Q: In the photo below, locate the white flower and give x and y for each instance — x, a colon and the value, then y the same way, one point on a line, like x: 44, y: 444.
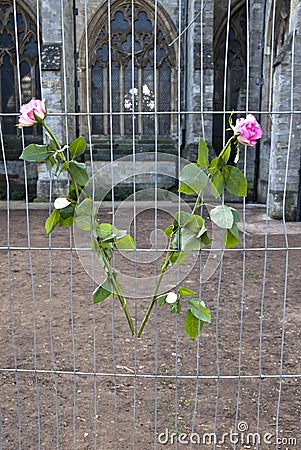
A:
x: 171, y: 297
x: 61, y: 203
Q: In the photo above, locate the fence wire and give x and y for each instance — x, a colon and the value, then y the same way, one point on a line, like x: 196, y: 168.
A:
x: 71, y: 375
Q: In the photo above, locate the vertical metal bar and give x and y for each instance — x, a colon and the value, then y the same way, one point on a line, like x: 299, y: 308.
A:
x: 156, y: 217
x: 9, y: 290
x: 108, y: 84
x: 133, y: 70
x: 286, y: 236
x: 66, y: 129
x: 197, y: 356
x: 266, y: 237
x: 260, y: 81
x: 217, y: 350
x: 28, y: 234
x: 242, y: 305
x: 178, y: 118
x: 50, y: 327
x: 88, y: 109
x: 225, y: 90
x: 76, y: 81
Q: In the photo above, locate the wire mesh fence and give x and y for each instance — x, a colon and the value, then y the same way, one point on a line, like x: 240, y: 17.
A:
x: 135, y: 80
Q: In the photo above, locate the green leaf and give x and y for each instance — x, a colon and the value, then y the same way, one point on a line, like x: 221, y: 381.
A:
x: 161, y: 301
x: 78, y: 173
x: 177, y: 257
x: 36, y: 153
x: 199, y: 310
x: 111, y: 238
x: 97, y: 252
x: 232, y: 237
x: 196, y: 225
x: 183, y: 291
x: 235, y: 180
x: 175, y: 308
x: 192, y: 228
x: 181, y: 219
x: 236, y: 215
x: 105, y: 230
x: 222, y: 216
x: 192, y: 325
x: 217, y: 184
x: 216, y: 164
x: 126, y: 243
x: 67, y: 222
x: 189, y: 241
x: 67, y: 216
x: 192, y: 179
x: 77, y: 147
x: 50, y: 162
x: 202, y: 160
x: 83, y: 215
x: 67, y: 212
x: 205, y: 240
x: 101, y: 293
x: 65, y: 166
x: 175, y: 243
x: 52, y: 221
x: 168, y: 231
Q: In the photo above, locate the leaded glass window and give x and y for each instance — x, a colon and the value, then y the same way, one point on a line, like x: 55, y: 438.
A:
x: 234, y: 97
x: 28, y: 63
x: 123, y: 82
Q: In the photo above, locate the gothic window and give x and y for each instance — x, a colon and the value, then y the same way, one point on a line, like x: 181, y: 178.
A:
x: 12, y: 71
x: 124, y: 70
x: 235, y: 95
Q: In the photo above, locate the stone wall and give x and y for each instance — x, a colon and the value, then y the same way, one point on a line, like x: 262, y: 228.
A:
x: 286, y: 126
x: 273, y: 84
x: 58, y: 80
x: 199, y: 76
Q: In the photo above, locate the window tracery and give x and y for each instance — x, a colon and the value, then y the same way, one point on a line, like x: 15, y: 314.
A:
x: 124, y: 81
x: 28, y: 62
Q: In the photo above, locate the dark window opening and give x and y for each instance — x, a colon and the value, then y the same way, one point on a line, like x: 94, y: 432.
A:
x: 128, y: 89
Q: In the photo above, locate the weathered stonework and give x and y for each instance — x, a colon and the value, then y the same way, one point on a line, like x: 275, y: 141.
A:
x: 199, y: 75
x: 270, y: 83
x: 286, y: 128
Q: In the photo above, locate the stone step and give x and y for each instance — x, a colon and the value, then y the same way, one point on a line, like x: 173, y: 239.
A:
x: 101, y: 148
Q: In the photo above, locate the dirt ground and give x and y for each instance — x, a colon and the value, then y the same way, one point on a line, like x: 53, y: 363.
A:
x: 84, y: 382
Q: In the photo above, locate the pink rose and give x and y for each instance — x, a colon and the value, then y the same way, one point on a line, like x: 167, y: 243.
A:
x: 248, y: 130
x: 30, y: 112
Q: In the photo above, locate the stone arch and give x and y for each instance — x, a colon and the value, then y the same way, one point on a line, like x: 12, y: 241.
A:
x: 120, y: 84
x: 28, y: 69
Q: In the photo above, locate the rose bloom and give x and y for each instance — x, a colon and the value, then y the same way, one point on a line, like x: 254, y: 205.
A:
x: 29, y: 111
x: 248, y: 130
